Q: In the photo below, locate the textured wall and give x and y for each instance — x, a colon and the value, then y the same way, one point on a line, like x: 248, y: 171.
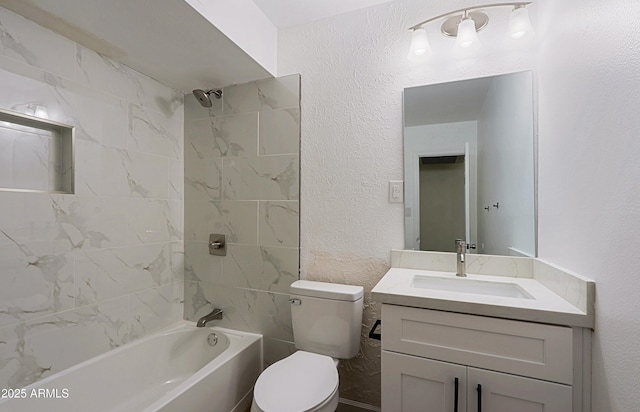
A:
x: 589, y: 196
x: 242, y: 180
x: 354, y: 69
x: 81, y: 274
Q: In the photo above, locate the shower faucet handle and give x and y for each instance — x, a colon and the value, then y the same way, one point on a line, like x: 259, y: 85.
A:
x: 217, y: 245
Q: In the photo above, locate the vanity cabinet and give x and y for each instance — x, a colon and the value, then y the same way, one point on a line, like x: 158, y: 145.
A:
x: 431, y: 358
x: 412, y: 384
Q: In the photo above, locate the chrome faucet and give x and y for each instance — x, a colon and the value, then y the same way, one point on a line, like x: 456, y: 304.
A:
x: 215, y: 314
x: 461, y: 248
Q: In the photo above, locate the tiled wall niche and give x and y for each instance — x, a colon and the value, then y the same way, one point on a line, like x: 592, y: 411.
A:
x: 36, y: 154
x: 81, y: 274
x: 242, y: 179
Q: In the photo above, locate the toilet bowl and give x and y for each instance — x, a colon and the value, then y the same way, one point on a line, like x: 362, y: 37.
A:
x: 302, y: 382
x: 326, y: 320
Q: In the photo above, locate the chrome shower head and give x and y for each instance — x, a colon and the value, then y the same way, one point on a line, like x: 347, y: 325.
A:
x: 204, y: 97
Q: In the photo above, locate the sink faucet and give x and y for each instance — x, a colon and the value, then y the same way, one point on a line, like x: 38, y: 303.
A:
x: 215, y: 314
x: 461, y: 248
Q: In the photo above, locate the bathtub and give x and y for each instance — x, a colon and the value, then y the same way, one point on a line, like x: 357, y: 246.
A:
x: 176, y: 369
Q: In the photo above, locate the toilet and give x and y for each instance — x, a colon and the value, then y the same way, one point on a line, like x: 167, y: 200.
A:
x: 327, y: 319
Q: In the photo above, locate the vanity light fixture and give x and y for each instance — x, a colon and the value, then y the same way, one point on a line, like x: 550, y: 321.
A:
x: 419, y: 43
x: 464, y: 25
x: 519, y: 22
x: 467, y: 34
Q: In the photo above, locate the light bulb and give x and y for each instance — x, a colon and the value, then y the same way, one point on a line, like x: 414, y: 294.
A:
x: 467, y: 35
x: 519, y: 23
x: 419, y: 44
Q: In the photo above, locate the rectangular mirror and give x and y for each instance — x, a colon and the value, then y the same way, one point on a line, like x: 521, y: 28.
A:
x: 469, y: 166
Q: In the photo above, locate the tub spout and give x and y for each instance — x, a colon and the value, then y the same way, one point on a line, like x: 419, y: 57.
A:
x: 215, y: 314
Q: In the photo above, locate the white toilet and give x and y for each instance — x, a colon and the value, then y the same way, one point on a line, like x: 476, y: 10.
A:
x: 326, y: 318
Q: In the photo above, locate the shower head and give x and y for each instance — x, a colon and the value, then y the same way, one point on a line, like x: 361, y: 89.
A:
x: 205, y: 97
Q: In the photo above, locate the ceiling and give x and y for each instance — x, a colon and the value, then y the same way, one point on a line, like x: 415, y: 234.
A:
x: 286, y: 13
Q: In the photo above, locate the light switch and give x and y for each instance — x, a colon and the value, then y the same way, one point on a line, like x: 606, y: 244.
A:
x: 396, y: 191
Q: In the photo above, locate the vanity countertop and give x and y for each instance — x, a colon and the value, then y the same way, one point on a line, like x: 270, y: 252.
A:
x: 542, y: 305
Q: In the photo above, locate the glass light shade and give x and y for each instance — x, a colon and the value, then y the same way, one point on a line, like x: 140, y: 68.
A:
x: 419, y: 44
x: 467, y: 35
x: 519, y: 23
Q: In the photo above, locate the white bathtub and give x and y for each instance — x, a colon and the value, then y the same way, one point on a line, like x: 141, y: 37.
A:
x: 173, y: 370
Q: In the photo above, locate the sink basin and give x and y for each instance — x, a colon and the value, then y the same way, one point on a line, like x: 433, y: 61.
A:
x: 465, y: 285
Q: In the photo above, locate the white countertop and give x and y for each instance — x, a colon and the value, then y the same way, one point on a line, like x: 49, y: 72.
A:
x: 545, y: 306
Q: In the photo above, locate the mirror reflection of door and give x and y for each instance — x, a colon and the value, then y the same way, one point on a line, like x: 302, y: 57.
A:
x: 442, y: 202
x: 491, y: 119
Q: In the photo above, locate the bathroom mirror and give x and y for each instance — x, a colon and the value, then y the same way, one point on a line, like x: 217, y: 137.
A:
x: 469, y: 166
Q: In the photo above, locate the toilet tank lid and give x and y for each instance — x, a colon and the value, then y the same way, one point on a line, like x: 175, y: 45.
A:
x: 326, y: 290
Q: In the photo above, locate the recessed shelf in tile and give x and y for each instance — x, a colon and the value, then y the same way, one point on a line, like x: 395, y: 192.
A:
x: 35, y: 154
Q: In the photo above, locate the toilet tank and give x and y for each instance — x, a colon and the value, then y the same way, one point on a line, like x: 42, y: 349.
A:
x: 327, y: 318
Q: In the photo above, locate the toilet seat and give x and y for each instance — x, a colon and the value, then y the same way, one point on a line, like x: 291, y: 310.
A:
x: 299, y: 383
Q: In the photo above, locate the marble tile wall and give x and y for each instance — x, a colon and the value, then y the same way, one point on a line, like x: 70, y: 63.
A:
x: 512, y: 266
x: 81, y: 274
x: 574, y: 288
x: 242, y: 174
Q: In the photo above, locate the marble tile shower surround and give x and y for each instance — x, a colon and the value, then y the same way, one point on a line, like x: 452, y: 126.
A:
x: 81, y: 274
x: 242, y: 174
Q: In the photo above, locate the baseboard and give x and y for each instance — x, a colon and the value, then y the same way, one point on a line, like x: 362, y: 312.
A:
x: 347, y: 405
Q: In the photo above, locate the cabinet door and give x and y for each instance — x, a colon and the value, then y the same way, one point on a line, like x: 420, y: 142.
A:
x: 411, y: 384
x: 507, y: 393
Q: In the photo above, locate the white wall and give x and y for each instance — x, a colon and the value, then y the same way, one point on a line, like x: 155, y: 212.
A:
x: 354, y: 69
x: 589, y: 177
x: 505, y: 167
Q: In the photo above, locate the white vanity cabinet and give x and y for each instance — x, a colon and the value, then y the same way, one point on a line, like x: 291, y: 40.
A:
x: 412, y: 384
x: 519, y: 366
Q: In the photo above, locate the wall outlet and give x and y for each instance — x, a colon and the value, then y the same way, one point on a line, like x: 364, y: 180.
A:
x: 396, y: 191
